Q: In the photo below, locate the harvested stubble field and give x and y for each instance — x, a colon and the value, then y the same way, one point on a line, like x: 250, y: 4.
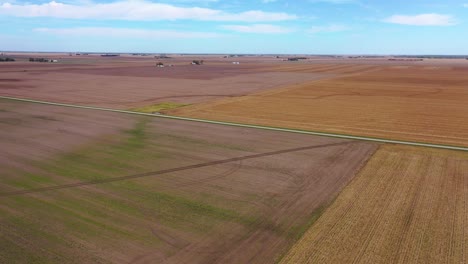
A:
x: 408, y: 205
x: 425, y: 103
x: 82, y: 186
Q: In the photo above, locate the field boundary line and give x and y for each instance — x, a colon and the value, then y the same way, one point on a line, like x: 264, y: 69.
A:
x: 297, y: 131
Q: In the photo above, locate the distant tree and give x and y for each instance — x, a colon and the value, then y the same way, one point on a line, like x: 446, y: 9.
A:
x: 7, y: 59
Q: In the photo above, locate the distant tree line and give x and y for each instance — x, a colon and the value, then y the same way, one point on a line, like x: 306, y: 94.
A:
x: 405, y: 59
x: 7, y: 59
x: 162, y: 57
x: 432, y: 56
x: 41, y: 60
x: 297, y: 58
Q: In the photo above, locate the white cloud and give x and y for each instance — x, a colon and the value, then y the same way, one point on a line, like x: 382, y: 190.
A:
x: 422, y: 20
x: 268, y: 1
x: 327, y: 29
x: 258, y: 28
x: 125, y: 32
x: 465, y: 5
x: 135, y: 10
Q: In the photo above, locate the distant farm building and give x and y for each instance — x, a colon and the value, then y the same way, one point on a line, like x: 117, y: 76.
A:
x: 197, y: 62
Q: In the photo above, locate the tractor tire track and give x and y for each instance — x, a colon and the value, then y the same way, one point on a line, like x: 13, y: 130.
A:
x: 160, y: 172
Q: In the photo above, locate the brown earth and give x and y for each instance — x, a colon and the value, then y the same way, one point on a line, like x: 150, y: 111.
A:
x: 200, y: 72
x: 133, y: 81
x: 415, y: 103
x: 35, y: 133
x: 127, y: 83
x: 408, y: 205
x: 87, y: 186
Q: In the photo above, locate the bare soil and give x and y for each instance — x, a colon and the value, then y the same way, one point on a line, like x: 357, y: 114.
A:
x: 87, y: 186
x: 201, y: 72
x: 124, y: 83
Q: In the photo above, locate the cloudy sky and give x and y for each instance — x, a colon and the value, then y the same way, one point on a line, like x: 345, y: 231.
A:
x: 222, y: 26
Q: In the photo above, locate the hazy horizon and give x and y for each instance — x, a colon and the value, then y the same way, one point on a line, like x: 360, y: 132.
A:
x: 240, y: 54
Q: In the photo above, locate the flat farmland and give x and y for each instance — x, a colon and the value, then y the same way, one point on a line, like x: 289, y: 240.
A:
x: 425, y: 103
x: 408, y: 205
x: 81, y: 186
x: 125, y: 83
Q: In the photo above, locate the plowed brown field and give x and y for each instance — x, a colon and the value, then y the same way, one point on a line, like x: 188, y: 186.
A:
x: 415, y: 103
x: 128, y: 84
x: 408, y: 205
x: 85, y: 186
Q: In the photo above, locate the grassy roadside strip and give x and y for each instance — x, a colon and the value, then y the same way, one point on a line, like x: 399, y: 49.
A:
x: 315, y: 133
x: 157, y: 108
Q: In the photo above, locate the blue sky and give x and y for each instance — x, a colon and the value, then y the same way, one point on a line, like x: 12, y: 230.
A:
x: 221, y: 26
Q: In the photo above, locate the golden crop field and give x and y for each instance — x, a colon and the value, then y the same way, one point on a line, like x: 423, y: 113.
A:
x: 408, y: 205
x: 414, y: 103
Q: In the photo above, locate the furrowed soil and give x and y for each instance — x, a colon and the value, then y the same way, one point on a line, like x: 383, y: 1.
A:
x: 425, y: 103
x: 84, y: 186
x: 125, y: 83
x: 408, y: 205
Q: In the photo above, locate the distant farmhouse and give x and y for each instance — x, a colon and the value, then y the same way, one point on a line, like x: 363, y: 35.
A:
x: 197, y: 62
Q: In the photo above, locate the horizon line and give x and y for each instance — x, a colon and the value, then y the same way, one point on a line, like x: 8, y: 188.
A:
x: 229, y: 53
